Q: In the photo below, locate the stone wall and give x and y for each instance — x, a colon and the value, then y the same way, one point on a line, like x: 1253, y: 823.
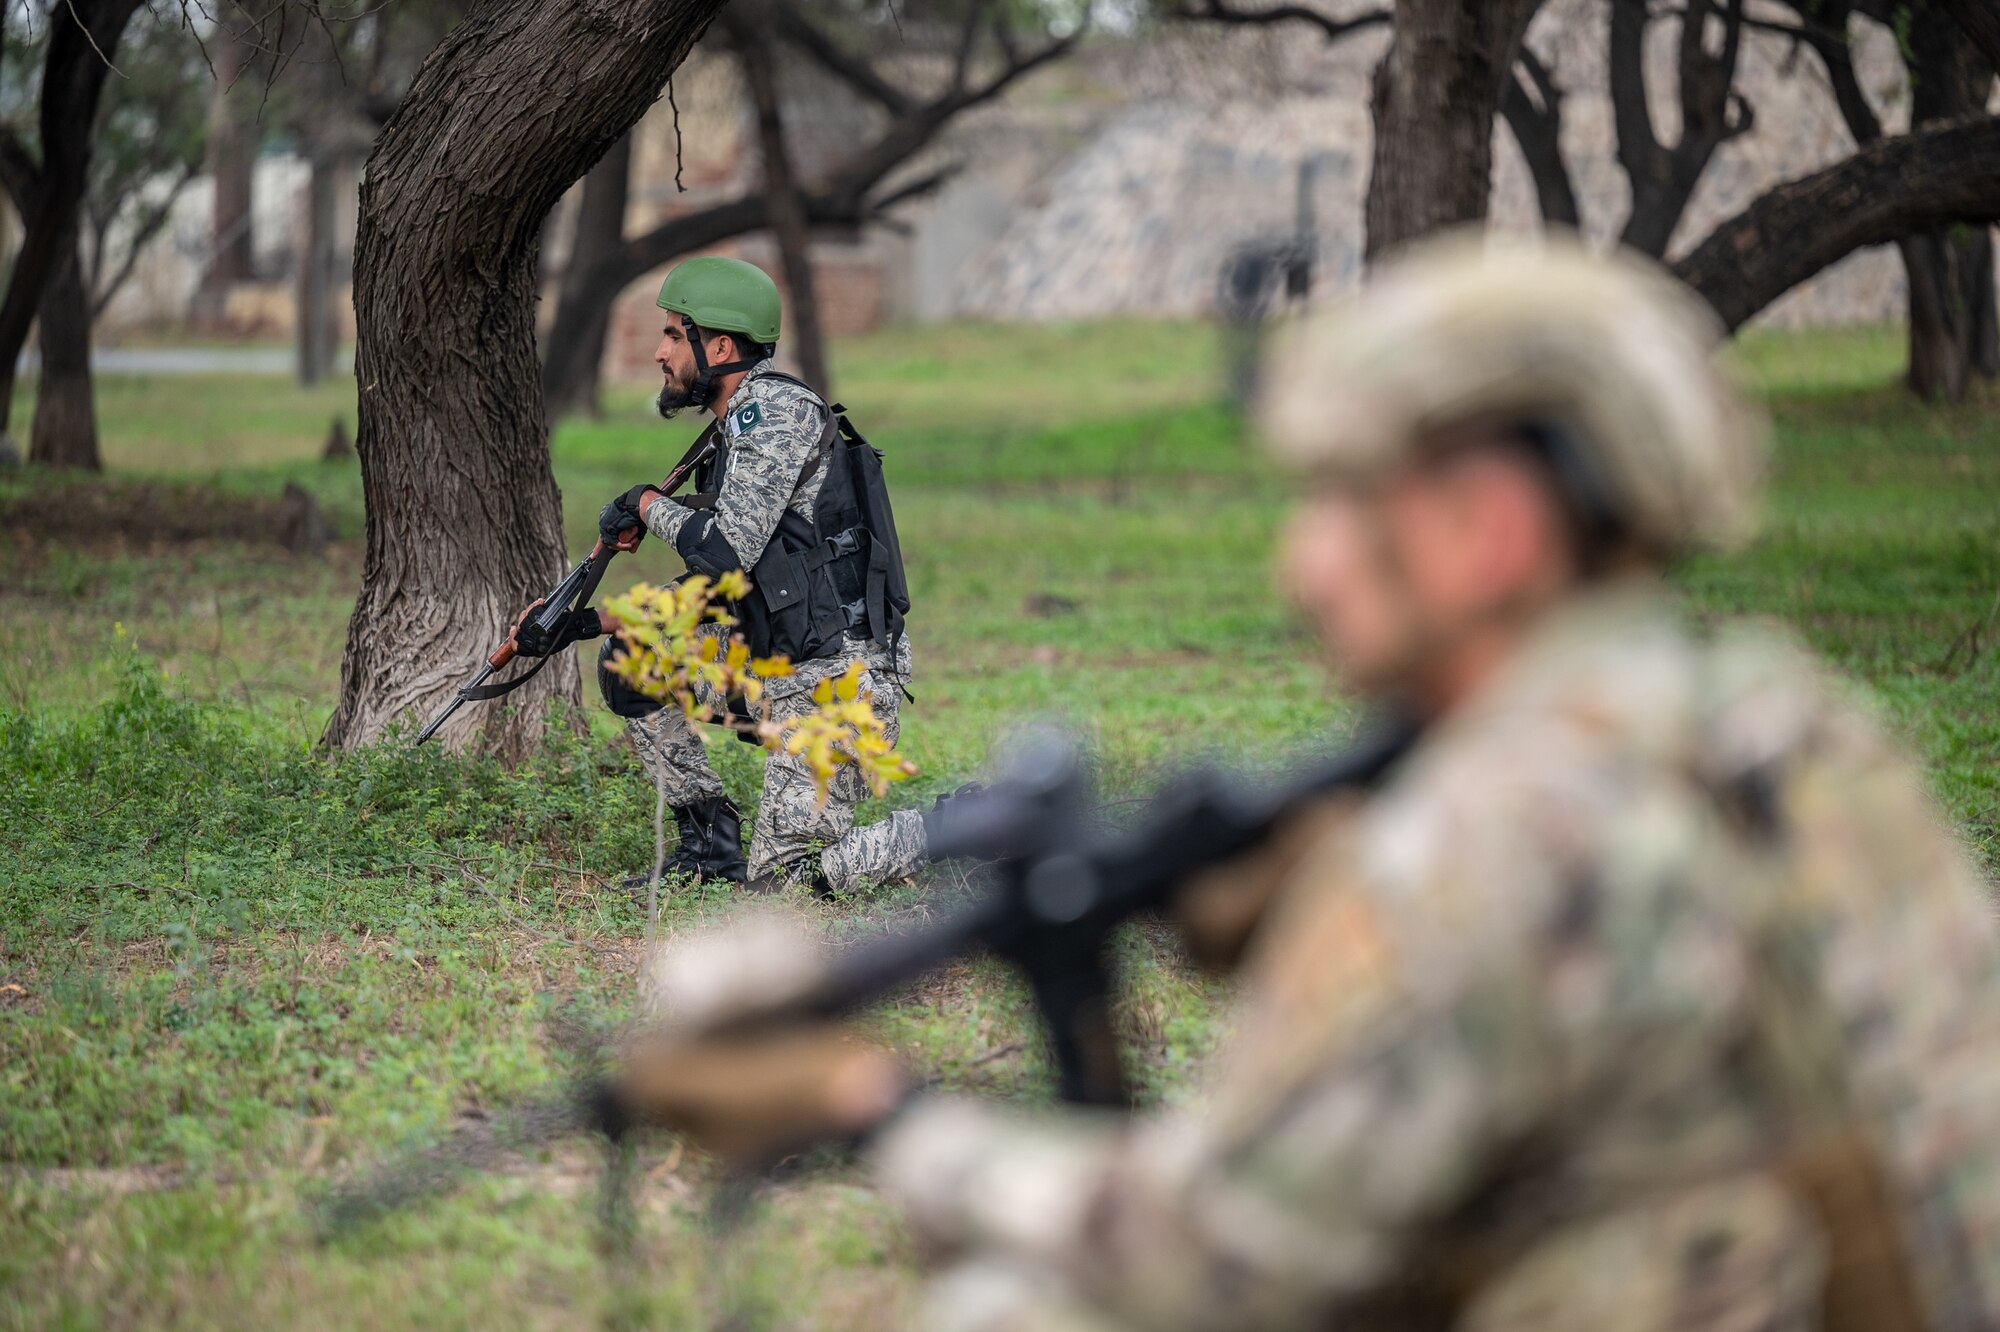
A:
x: 1141, y: 219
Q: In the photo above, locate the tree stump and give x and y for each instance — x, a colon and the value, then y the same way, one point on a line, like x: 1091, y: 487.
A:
x: 302, y: 527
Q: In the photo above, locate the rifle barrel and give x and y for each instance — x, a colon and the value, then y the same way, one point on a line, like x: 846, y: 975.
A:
x: 457, y: 701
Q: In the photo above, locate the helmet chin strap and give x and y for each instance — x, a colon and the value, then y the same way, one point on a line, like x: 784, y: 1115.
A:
x: 702, y: 391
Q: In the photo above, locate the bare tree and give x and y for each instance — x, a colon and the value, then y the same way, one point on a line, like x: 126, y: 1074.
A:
x: 47, y: 191
x: 1948, y: 268
x: 1799, y: 228
x: 1664, y: 176
x: 463, y: 517
x: 987, y: 56
x: 1450, y: 69
x: 151, y: 136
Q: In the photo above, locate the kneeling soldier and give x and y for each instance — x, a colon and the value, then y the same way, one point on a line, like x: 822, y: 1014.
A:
x: 794, y: 498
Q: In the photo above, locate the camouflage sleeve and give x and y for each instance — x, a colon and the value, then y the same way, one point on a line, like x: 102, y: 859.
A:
x: 1435, y: 990
x: 777, y: 425
x: 665, y: 517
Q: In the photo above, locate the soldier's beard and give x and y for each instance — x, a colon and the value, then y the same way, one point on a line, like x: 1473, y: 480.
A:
x: 674, y: 398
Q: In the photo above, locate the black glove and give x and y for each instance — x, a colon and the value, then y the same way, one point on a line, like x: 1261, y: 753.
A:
x: 622, y: 514
x: 574, y: 627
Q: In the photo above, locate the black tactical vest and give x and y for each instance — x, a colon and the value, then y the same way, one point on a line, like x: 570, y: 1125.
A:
x: 841, y: 572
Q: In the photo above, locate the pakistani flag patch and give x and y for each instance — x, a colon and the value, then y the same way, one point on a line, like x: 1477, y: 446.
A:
x: 748, y: 416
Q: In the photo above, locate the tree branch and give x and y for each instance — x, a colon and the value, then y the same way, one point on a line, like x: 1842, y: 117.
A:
x: 1333, y: 29
x: 1536, y: 123
x: 20, y: 175
x: 1825, y: 31
x: 856, y: 72
x: 103, y: 291
x: 968, y: 40
x: 1932, y: 177
x: 843, y: 199
x: 1639, y: 150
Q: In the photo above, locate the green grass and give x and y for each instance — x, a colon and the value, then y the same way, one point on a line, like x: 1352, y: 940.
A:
x: 232, y: 971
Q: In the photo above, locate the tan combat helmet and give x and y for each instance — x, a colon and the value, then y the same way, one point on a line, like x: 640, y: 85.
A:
x: 1609, y: 351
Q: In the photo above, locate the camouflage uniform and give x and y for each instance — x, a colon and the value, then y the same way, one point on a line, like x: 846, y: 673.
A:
x: 772, y: 426
x: 1650, y: 993
x: 1551, y: 1036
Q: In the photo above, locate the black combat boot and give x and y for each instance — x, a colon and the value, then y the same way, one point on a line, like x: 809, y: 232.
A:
x: 711, y: 845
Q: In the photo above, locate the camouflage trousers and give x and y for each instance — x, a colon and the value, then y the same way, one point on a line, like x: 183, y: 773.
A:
x: 791, y: 821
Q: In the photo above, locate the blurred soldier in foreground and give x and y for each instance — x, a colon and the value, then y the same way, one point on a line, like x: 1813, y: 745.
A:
x: 1649, y: 993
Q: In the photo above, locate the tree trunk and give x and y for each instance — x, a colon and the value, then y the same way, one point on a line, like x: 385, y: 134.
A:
x: 575, y: 357
x: 1939, y: 334
x: 1891, y: 189
x: 1946, y: 266
x: 232, y: 161
x: 72, y: 81
x: 1436, y: 94
x: 315, y: 333
x: 1984, y: 304
x: 65, y: 432
x: 788, y: 215
x: 464, y: 522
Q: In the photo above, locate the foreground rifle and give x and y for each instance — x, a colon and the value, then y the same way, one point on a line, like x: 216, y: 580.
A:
x: 572, y: 593
x: 1060, y: 887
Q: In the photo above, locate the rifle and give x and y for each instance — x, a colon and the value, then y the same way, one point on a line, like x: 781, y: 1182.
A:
x: 576, y: 589
x: 1060, y: 888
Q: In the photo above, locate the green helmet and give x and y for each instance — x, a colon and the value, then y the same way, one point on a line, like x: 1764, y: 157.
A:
x: 724, y: 296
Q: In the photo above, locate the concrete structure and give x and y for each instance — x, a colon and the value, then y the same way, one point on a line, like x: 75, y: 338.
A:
x: 1122, y: 180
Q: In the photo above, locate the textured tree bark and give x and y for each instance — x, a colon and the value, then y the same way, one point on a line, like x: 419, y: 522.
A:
x: 73, y: 77
x: 1946, y: 267
x: 781, y: 197
x: 1436, y: 94
x: 65, y: 431
x: 575, y: 355
x: 1931, y: 177
x: 464, y: 524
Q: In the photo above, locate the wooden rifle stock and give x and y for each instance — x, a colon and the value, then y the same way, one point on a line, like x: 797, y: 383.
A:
x: 576, y: 589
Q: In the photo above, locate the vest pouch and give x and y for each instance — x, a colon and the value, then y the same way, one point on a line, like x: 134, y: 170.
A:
x: 829, y: 624
x: 780, y: 580
x: 774, y: 614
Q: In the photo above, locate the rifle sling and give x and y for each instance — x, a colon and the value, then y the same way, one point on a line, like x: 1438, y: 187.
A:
x: 483, y: 692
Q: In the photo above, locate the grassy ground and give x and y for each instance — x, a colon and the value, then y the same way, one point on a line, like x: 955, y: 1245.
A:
x: 232, y: 972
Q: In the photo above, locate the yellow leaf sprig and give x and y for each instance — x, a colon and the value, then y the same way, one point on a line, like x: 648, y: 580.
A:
x: 669, y: 656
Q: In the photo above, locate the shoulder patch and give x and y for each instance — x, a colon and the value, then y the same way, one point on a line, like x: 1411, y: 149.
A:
x: 748, y: 417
